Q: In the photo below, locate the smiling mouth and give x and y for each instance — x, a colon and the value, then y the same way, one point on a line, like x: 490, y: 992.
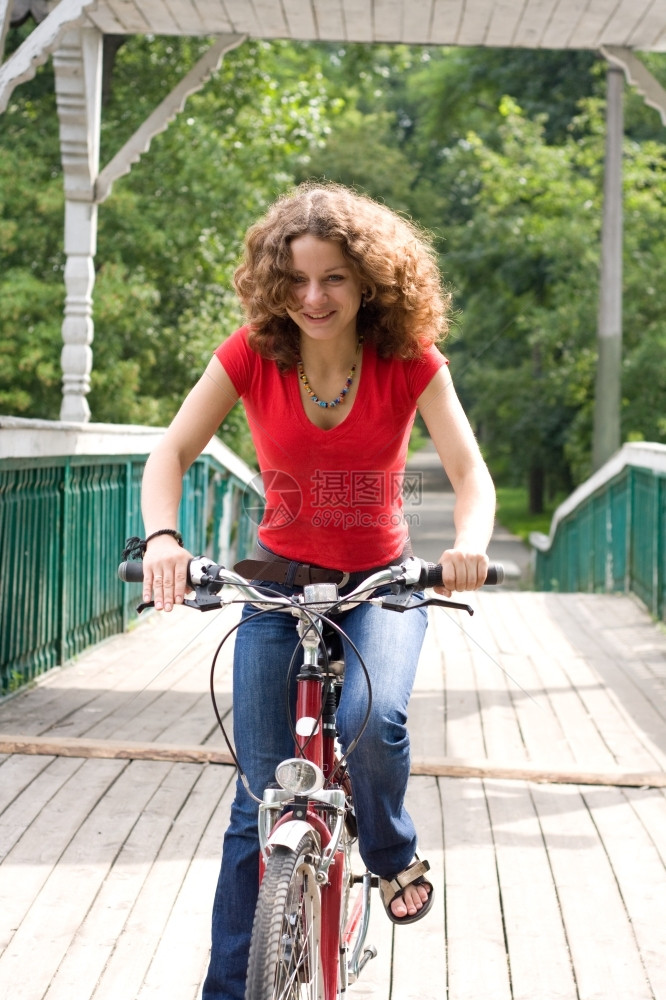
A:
x: 324, y: 315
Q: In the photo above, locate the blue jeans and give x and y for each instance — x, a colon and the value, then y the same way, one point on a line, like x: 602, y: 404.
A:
x: 390, y: 644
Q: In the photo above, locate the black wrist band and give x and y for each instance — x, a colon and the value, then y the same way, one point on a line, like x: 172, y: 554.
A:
x: 135, y: 548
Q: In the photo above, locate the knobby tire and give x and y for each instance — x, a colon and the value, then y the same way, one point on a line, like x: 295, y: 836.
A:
x: 285, y: 960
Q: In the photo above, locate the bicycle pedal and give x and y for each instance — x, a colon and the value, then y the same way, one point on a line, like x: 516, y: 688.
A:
x: 374, y: 880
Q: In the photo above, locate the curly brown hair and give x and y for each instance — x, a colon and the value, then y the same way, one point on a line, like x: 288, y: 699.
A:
x: 405, y: 308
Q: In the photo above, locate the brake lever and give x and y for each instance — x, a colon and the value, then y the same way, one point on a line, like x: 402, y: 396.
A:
x: 204, y: 601
x: 403, y: 602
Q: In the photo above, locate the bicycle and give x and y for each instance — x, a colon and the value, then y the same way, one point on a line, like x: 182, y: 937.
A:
x: 308, y: 938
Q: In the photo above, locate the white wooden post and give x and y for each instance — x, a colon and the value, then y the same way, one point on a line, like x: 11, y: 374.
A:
x: 606, y: 434
x: 78, y: 76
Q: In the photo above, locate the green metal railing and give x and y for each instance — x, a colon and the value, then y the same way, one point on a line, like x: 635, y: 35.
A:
x: 63, y: 523
x: 611, y: 534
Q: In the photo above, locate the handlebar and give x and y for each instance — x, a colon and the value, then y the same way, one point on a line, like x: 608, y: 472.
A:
x: 207, y: 579
x: 431, y: 573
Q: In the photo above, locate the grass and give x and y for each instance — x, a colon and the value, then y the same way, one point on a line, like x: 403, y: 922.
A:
x: 513, y: 513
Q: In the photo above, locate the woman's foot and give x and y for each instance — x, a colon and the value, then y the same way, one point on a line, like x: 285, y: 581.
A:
x: 408, y: 895
x: 413, y: 899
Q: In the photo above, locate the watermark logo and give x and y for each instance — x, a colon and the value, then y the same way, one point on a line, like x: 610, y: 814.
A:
x: 339, y: 498
x: 283, y: 499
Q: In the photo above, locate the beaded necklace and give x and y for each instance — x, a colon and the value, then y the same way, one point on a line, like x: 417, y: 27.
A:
x: 343, y: 392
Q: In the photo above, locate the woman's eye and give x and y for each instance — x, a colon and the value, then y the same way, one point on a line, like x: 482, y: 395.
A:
x: 335, y: 277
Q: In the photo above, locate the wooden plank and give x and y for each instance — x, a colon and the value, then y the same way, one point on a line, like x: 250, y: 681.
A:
x: 535, y: 650
x: 427, y: 938
x: 443, y: 767
x: 649, y: 29
x: 26, y: 807
x: 105, y: 21
x: 159, y: 18
x: 214, y: 16
x: 300, y: 20
x: 157, y: 644
x: 582, y: 667
x: 536, y: 941
x: 561, y: 29
x: 426, y: 721
x: 329, y: 18
x: 52, y: 922
x: 532, y: 23
x: 16, y: 774
x: 35, y: 856
x: 138, y: 943
x: 271, y: 18
x: 475, y: 22
x: 446, y: 21
x: 464, y: 733
x: 358, y: 21
x: 417, y: 21
x: 181, y: 958
x: 116, y: 750
x: 506, y: 17
x: 187, y: 17
x: 103, y: 925
x: 641, y: 877
x: 101, y: 692
x: 603, y: 949
x: 388, y: 19
x: 624, y: 20
x: 243, y: 18
x: 478, y: 965
x: 127, y: 13
x: 500, y: 695
x: 629, y: 722
x: 542, y: 632
x: 469, y: 769
x: 650, y: 806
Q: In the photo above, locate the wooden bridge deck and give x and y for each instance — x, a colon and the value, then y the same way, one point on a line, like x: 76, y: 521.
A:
x: 546, y: 890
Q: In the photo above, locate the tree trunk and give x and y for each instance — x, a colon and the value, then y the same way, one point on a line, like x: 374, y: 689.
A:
x: 537, y: 489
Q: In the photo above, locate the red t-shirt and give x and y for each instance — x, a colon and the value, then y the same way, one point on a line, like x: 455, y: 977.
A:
x: 333, y: 497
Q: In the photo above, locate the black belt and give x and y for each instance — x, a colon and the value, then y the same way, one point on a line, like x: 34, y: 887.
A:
x: 275, y: 569
x: 293, y: 574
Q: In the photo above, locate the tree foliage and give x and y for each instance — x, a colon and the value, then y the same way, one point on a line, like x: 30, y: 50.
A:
x: 498, y: 152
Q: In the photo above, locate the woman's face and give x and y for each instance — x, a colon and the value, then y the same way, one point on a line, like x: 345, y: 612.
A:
x: 326, y: 288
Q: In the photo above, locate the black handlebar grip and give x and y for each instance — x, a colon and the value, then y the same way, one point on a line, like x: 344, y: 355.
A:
x: 432, y: 575
x: 131, y: 572
x: 495, y: 574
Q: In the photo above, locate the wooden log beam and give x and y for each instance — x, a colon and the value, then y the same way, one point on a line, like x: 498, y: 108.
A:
x: 445, y: 767
x: 112, y: 749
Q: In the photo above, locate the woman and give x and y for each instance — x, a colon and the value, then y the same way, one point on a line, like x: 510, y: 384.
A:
x: 344, y: 306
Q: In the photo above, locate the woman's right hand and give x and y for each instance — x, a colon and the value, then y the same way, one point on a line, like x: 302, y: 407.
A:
x: 165, y: 565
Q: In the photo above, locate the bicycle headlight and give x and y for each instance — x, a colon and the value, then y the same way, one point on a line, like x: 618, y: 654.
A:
x: 299, y: 776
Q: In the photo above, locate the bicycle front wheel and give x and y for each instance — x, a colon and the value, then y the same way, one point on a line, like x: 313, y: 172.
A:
x: 285, y: 956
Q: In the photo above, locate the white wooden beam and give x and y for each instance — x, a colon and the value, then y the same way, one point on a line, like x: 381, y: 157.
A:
x: 5, y: 14
x: 39, y: 45
x: 639, y: 76
x: 165, y: 112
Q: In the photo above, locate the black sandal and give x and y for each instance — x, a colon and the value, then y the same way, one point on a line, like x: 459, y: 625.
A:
x: 391, y: 889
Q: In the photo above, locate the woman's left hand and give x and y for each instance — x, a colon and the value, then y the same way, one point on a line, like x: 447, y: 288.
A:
x: 462, y: 570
